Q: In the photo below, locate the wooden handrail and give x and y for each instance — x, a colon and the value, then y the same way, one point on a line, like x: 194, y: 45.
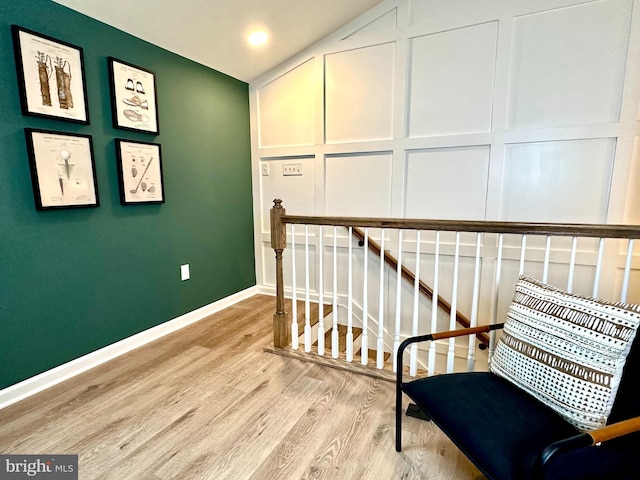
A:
x: 521, y: 228
x: 423, y: 287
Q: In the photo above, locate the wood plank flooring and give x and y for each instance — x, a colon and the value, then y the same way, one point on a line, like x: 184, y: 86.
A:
x: 207, y: 402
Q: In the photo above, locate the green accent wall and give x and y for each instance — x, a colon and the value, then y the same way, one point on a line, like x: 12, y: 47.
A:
x: 75, y: 280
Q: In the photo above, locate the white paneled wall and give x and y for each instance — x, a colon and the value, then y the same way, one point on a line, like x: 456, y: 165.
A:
x: 568, y: 65
x: 565, y: 182
x: 461, y: 197
x: 451, y: 81
x: 359, y: 94
x: 633, y: 199
x: 286, y: 108
x: 369, y: 185
x: 520, y: 110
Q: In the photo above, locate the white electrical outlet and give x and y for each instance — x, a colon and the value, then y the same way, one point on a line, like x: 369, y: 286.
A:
x: 184, y: 272
x: 289, y: 169
x: 265, y: 169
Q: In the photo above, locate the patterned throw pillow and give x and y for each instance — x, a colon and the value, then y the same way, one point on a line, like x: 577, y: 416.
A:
x: 566, y: 350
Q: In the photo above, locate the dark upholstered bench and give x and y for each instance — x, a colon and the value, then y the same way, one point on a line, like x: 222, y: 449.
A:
x: 511, y: 435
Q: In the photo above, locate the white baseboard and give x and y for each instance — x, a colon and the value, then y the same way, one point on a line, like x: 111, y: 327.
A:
x: 33, y: 385
x: 266, y: 290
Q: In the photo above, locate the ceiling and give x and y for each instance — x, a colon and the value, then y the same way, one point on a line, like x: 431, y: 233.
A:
x: 214, y: 32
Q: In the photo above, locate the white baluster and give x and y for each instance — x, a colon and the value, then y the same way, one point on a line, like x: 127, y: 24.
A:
x: 596, y: 277
x: 572, y: 264
x: 294, y: 293
x: 380, y: 341
x: 307, y: 301
x: 320, y: 293
x: 434, y: 307
x: 413, y: 358
x: 523, y: 249
x: 471, y: 357
x: 454, y: 300
x: 364, y: 348
x: 547, y: 252
x: 627, y: 270
x: 334, y: 329
x: 350, y: 299
x: 396, y: 335
x: 496, y: 295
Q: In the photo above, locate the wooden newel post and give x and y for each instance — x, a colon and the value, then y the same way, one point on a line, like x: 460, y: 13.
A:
x: 281, y: 325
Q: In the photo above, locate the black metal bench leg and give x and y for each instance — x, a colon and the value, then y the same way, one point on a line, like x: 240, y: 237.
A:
x: 415, y: 411
x: 398, y: 419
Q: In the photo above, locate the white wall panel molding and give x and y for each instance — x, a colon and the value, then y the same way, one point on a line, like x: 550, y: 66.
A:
x: 631, y: 94
x: 613, y: 130
x: 398, y: 183
x: 358, y: 185
x: 568, y: 65
x: 494, y: 181
x: 319, y: 100
x: 367, y: 23
x: 434, y: 15
x: 320, y: 182
x: 401, y: 88
x: 444, y: 141
x: 327, y: 149
x: 286, y: 108
x: 378, y: 38
x: 291, y: 158
x: 539, y: 177
x: 451, y: 81
x: 528, y: 7
x: 624, y: 182
x: 295, y: 190
x: 449, y: 183
x: 359, y: 88
x: 632, y: 207
x: 388, y: 22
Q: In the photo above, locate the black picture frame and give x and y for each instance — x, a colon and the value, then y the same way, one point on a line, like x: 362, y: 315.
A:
x: 140, y: 176
x: 63, y: 170
x: 134, y: 98
x: 51, y: 77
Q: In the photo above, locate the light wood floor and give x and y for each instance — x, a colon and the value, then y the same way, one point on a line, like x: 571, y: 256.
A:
x: 208, y: 403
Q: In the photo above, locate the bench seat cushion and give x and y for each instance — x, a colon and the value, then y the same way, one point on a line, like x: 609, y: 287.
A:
x: 502, y: 429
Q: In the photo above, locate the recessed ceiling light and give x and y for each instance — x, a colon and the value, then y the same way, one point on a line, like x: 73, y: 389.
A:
x: 258, y: 38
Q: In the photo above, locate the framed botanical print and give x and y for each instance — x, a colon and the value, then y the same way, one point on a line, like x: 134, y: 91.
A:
x: 51, y: 77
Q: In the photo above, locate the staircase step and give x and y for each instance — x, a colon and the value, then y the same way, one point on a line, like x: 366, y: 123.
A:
x: 373, y: 354
x: 342, y: 337
x: 314, y: 318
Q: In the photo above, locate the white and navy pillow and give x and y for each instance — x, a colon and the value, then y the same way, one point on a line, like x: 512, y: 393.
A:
x: 566, y: 350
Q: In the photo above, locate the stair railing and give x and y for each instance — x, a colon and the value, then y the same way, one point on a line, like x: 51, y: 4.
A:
x: 423, y: 288
x: 603, y: 267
